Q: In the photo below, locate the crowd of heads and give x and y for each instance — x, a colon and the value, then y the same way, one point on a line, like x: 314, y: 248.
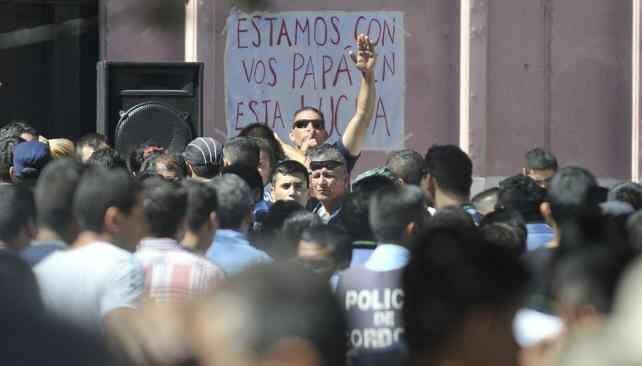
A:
x: 255, y: 251
x: 544, y: 250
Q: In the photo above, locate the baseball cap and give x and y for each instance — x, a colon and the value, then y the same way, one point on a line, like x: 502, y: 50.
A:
x: 204, y: 151
x: 30, y: 158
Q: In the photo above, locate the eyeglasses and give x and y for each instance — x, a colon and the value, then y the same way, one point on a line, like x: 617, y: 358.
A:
x: 328, y: 164
x: 317, y: 124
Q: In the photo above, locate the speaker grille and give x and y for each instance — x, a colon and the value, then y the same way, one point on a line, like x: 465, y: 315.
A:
x: 153, y: 123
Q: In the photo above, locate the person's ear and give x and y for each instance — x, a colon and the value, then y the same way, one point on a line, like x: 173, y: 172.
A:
x: 213, y: 221
x: 432, y: 184
x: 291, y: 137
x: 545, y: 210
x: 190, y: 170
x: 226, y: 162
x: 410, y: 230
x: 112, y: 220
x: 12, y: 173
x: 31, y: 230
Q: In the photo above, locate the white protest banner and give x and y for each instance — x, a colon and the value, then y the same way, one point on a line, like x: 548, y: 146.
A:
x: 275, y: 63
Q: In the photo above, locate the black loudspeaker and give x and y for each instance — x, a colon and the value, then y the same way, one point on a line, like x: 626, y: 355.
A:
x: 155, y: 103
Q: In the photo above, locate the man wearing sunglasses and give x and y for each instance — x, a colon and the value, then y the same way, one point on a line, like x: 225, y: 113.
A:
x: 329, y: 179
x: 309, y: 127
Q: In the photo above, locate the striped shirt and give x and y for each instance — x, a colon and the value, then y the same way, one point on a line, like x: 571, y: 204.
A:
x: 174, y: 273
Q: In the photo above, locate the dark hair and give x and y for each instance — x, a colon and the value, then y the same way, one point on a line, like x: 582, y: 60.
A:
x: 266, y: 146
x: 93, y: 140
x: 235, y: 200
x: 590, y: 277
x: 571, y: 192
x: 294, y: 225
x: 629, y: 192
x: 99, y: 189
x: 373, y: 183
x: 242, y: 150
x: 354, y: 215
x: 336, y: 240
x: 308, y: 108
x: 107, y: 158
x: 540, y: 159
x: 269, y: 237
x: 135, y: 159
x: 201, y: 202
x: 282, y: 302
x: 164, y: 207
x: 151, y: 165
x: 507, y: 236
x: 485, y: 201
x: 17, y: 210
x: 17, y: 128
x: 407, y: 165
x: 290, y: 167
x: 451, y: 168
x: 264, y: 132
x: 7, y: 144
x: 520, y: 193
x: 392, y: 209
x: 54, y: 194
x: 356, y: 206
x: 451, y: 217
x: 453, y: 272
x: 249, y: 175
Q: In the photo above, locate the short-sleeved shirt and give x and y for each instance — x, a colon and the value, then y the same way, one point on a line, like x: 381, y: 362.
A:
x: 351, y: 160
x: 173, y: 273
x: 232, y: 252
x: 82, y: 285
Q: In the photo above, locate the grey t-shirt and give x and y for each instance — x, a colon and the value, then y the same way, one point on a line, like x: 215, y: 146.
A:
x: 82, y: 285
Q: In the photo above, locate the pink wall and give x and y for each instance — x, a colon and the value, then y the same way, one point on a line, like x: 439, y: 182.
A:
x: 558, y: 71
x: 591, y: 85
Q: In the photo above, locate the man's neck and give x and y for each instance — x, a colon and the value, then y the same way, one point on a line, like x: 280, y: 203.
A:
x: 47, y: 234
x: 330, y: 205
x: 195, y: 242
x: 443, y: 199
x: 88, y: 237
x: 556, y: 240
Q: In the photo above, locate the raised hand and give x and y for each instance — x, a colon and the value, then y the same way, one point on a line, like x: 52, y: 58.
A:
x: 365, y: 57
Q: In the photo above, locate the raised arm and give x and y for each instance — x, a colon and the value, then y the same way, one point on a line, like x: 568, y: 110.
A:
x: 355, y: 133
x: 290, y: 151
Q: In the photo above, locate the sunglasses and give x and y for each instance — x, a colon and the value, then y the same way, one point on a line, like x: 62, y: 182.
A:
x: 317, y: 124
x: 328, y: 164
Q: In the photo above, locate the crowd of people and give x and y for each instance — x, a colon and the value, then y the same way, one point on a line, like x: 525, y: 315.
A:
x: 257, y: 251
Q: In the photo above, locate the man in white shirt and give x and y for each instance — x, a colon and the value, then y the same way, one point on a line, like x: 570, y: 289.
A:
x: 97, y: 282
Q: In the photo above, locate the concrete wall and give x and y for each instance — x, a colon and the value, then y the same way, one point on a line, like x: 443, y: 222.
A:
x: 558, y: 72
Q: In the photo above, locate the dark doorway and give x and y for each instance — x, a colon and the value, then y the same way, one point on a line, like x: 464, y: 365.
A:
x: 48, y: 55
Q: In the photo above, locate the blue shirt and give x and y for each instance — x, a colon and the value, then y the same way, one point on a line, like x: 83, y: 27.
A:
x: 539, y: 235
x: 385, y: 257
x: 233, y: 253
x: 361, y: 252
x: 39, y: 250
x: 388, y: 257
